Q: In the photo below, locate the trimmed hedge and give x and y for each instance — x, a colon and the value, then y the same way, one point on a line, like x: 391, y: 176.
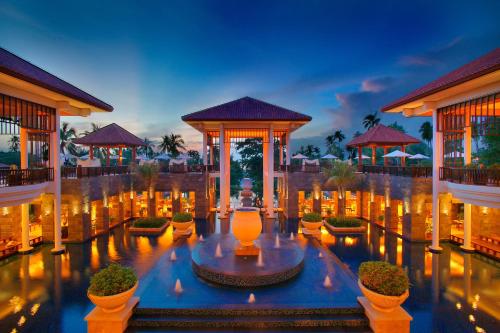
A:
x: 312, y: 217
x: 149, y: 222
x: 182, y: 217
x: 344, y: 222
x: 383, y: 278
x: 112, y: 280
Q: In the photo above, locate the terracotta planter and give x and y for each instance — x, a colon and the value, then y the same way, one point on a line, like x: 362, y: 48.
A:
x: 381, y: 302
x: 113, y: 303
x: 182, y: 227
x: 312, y: 226
x: 247, y: 225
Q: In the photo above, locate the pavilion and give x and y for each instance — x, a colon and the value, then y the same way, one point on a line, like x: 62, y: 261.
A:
x: 242, y: 119
x: 111, y: 136
x: 381, y: 136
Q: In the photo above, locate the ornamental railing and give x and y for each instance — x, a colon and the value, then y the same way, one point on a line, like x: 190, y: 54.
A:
x: 86, y: 172
x: 471, y: 176
x: 20, y: 177
x: 407, y: 171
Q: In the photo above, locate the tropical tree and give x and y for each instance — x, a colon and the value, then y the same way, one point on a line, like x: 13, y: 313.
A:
x: 93, y: 128
x: 337, y: 136
x: 250, y: 151
x: 172, y: 144
x: 371, y: 120
x: 342, y: 175
x: 67, y: 134
x: 310, y: 151
x: 147, y: 149
x: 148, y: 174
x: 14, y: 144
x: 194, y: 156
x: 397, y: 127
x: 426, y: 132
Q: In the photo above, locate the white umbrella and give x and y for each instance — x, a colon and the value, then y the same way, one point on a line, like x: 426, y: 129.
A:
x: 67, y: 156
x: 418, y: 157
x: 84, y: 157
x: 116, y: 157
x: 163, y: 156
x: 142, y: 158
x: 329, y: 157
x: 455, y: 154
x: 364, y: 157
x: 299, y: 157
x: 397, y: 153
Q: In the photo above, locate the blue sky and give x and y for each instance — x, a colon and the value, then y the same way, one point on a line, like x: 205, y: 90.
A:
x: 336, y: 61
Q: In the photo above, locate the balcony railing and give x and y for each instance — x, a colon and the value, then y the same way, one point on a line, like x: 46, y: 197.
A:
x: 471, y: 176
x: 85, y: 172
x: 22, y: 177
x: 409, y: 171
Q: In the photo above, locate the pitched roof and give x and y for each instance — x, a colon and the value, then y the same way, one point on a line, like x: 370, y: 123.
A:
x: 488, y: 63
x: 382, y: 135
x: 19, y: 68
x: 110, y: 135
x: 246, y: 109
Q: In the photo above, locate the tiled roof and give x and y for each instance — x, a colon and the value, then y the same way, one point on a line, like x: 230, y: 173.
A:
x: 17, y: 67
x: 488, y: 63
x: 382, y: 135
x: 110, y: 135
x: 246, y: 109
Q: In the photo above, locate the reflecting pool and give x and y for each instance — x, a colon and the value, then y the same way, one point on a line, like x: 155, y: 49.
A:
x: 45, y: 293
x: 450, y: 292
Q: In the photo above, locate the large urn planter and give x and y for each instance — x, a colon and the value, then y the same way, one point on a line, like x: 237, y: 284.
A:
x: 383, y: 284
x: 247, y: 225
x: 181, y: 222
x: 311, y: 223
x: 112, y: 287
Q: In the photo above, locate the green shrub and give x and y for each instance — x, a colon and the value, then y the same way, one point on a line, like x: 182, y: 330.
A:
x: 112, y: 280
x: 312, y: 217
x: 381, y: 218
x: 344, y: 222
x: 149, y: 222
x: 383, y: 278
x: 183, y: 217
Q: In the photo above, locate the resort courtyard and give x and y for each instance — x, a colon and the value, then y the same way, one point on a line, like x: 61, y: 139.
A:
x: 242, y: 194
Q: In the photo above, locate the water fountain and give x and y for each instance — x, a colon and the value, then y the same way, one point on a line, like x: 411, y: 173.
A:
x: 327, y: 283
x: 201, y: 238
x: 251, y: 299
x: 292, y: 237
x: 178, y: 287
x: 173, y: 256
x: 320, y: 254
x: 284, y: 257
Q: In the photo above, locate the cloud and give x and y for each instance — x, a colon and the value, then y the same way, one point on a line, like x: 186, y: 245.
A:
x: 377, y: 84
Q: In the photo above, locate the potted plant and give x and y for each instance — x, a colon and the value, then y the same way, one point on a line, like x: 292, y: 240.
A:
x: 345, y: 224
x: 312, y: 222
x: 112, y: 287
x: 383, y: 284
x: 181, y: 222
x: 149, y: 225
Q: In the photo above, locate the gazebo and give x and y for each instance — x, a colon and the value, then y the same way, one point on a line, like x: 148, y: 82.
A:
x: 381, y: 136
x: 111, y: 136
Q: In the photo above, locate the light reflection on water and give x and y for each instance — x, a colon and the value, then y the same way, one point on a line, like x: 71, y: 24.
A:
x: 450, y: 292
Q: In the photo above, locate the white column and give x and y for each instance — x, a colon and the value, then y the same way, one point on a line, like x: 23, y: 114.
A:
x: 270, y: 175
x: 23, y: 142
x: 222, y: 172
x: 25, y: 229
x: 281, y: 150
x: 265, y: 156
x: 467, y: 228
x: 55, y: 164
x: 204, y: 151
x: 437, y: 162
x: 227, y: 155
x: 288, y: 148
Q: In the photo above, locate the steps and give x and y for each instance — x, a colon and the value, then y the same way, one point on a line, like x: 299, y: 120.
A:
x: 336, y: 319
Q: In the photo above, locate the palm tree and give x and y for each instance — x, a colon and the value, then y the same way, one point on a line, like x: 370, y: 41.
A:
x: 172, y: 144
x: 336, y: 136
x: 371, y: 120
x: 342, y: 175
x: 67, y: 135
x: 426, y: 132
x: 93, y: 128
x: 148, y: 174
x: 147, y: 149
x: 14, y: 144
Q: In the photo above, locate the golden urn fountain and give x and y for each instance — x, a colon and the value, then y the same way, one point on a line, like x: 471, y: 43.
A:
x: 247, y: 225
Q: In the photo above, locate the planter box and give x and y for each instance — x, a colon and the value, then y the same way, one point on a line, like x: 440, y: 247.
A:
x: 345, y: 230
x: 149, y: 231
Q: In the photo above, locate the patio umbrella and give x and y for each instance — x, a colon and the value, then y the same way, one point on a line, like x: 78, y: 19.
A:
x: 455, y: 154
x: 164, y: 157
x: 418, y: 157
x: 67, y: 156
x: 329, y: 157
x: 299, y: 157
x: 364, y: 157
x: 142, y: 158
x: 397, y: 153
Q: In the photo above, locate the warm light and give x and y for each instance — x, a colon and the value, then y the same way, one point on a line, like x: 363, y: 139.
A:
x: 349, y: 241
x: 474, y: 305
x: 484, y: 210
x: 459, y: 306
x: 131, y: 195
x: 472, y: 319
x: 34, y: 309
x: 5, y: 211
x: 21, y: 321
x: 476, y: 297
x: 480, y: 330
x: 17, y: 303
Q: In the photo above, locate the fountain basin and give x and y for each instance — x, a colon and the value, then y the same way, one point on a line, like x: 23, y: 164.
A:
x: 280, y: 264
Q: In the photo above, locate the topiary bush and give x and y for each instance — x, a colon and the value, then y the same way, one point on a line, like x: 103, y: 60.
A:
x: 149, y: 222
x: 344, y: 222
x: 312, y: 217
x: 182, y: 217
x: 383, y: 278
x: 112, y: 280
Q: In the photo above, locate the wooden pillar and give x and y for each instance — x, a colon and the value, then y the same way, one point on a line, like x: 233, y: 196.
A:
x: 360, y: 159
x: 107, y: 156
x: 134, y: 154
x: 91, y: 152
x: 204, y: 150
x: 288, y: 148
x: 403, y: 159
x: 386, y: 159
x: 374, y: 155
x: 120, y: 155
x: 23, y: 140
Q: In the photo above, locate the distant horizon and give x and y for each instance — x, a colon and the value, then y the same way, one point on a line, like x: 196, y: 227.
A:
x: 336, y: 62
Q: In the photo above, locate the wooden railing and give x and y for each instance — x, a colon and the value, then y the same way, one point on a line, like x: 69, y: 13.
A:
x: 408, y: 171
x: 472, y: 176
x: 22, y: 177
x: 85, y: 172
